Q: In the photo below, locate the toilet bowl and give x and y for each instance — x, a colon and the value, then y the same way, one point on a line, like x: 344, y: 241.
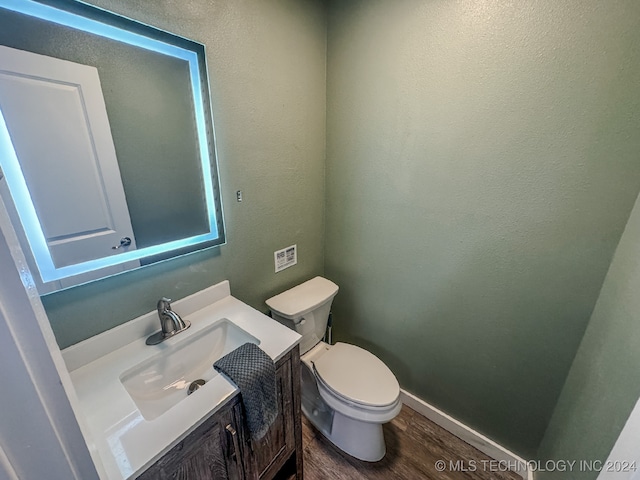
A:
x: 347, y: 392
x: 361, y: 394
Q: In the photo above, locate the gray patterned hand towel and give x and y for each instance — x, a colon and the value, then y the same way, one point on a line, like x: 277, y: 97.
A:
x: 255, y: 374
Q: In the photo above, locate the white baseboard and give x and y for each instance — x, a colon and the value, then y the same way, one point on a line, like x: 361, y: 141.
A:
x: 460, y: 430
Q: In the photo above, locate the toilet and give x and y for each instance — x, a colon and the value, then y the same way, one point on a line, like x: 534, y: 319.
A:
x: 347, y: 392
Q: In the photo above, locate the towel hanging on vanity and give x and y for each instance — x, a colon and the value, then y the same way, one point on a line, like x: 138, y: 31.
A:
x: 249, y: 367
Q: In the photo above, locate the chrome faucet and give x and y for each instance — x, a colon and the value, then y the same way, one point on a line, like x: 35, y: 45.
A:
x: 170, y: 321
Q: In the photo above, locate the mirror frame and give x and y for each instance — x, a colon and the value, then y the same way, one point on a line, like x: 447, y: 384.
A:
x: 94, y: 20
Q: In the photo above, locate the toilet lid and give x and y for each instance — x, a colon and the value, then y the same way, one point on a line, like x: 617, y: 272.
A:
x: 357, y: 375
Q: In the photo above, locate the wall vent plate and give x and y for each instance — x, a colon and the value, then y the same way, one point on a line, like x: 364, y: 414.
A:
x: 285, y: 258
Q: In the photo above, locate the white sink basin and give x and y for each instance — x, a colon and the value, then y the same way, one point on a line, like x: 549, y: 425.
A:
x: 120, y: 408
x: 162, y: 381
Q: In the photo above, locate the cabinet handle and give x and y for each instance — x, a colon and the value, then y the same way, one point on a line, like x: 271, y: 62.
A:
x: 234, y: 438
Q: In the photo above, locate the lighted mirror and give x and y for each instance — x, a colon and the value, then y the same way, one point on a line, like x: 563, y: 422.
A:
x: 107, y: 150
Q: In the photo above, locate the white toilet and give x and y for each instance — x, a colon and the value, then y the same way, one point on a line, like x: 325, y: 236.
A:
x: 347, y: 392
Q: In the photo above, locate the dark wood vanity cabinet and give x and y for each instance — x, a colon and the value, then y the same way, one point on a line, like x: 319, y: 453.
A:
x: 221, y: 447
x: 279, y: 453
x: 209, y: 452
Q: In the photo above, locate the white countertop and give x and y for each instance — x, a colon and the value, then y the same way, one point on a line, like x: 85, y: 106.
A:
x: 122, y: 443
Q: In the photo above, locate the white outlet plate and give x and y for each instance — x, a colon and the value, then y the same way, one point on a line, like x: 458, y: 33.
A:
x: 285, y: 258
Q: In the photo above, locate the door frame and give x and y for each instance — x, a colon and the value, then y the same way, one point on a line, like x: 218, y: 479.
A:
x: 625, y: 455
x: 41, y: 432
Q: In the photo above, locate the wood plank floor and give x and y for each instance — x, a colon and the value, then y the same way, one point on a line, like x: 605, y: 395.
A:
x: 414, y: 445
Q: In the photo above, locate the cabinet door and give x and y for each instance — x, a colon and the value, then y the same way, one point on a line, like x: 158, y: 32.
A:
x: 269, y: 453
x: 211, y: 452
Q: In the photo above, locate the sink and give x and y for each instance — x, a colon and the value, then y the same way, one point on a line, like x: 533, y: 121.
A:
x: 162, y: 381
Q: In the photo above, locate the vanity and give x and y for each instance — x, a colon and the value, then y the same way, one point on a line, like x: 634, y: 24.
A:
x: 140, y: 422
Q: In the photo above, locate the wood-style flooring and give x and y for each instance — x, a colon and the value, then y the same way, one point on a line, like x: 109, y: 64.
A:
x: 414, y: 445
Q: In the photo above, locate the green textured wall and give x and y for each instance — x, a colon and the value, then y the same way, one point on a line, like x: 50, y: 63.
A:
x: 267, y: 69
x: 604, y: 381
x: 482, y: 161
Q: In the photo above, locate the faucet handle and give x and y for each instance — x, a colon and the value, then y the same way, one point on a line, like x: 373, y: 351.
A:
x: 170, y: 322
x: 164, y: 304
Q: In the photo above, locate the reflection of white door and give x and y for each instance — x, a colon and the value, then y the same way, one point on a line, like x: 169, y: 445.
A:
x: 56, y: 116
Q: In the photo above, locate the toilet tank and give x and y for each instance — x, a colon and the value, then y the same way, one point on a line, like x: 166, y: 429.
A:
x: 305, y: 309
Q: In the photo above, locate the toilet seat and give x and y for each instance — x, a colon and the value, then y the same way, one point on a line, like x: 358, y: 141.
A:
x: 362, y: 413
x: 357, y: 376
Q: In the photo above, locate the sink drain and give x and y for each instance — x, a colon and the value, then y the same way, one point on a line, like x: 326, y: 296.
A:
x: 196, y: 384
